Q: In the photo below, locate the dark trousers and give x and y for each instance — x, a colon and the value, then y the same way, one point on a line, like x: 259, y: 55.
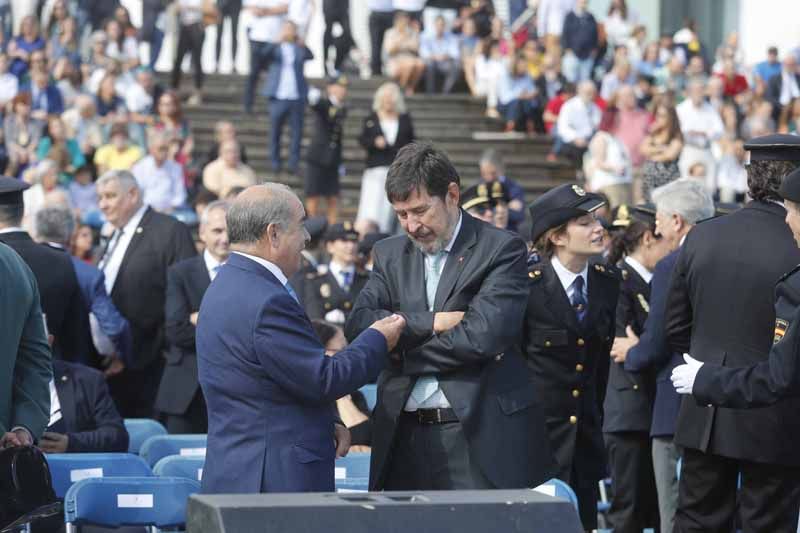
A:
x: 230, y: 11
x: 194, y: 420
x: 190, y: 39
x: 432, y: 457
x: 379, y: 23
x: 155, y: 46
x: 449, y: 68
x: 707, y: 496
x: 343, y: 43
x: 634, y: 505
x: 279, y: 112
x: 134, y: 389
x: 521, y: 111
x: 571, y: 151
x: 588, y: 493
x: 259, y: 60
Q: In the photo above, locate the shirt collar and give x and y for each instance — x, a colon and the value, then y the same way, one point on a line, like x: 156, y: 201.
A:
x: 269, y: 265
x: 337, y: 269
x: 566, y: 277
x: 211, y: 263
x: 130, y: 227
x: 639, y: 268
x: 12, y: 229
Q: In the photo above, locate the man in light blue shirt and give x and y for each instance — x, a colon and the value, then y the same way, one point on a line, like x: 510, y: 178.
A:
x: 442, y: 56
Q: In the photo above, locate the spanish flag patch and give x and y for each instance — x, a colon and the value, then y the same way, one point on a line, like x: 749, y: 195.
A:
x: 781, y: 326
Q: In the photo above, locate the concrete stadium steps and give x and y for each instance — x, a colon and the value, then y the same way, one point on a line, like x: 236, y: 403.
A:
x: 450, y: 121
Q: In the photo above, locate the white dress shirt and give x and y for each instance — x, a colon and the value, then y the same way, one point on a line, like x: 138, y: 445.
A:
x: 383, y: 6
x: 287, y: 86
x: 577, y: 120
x: 567, y: 278
x: 211, y: 264
x: 190, y: 12
x: 162, y: 186
x: 408, y: 5
x: 437, y: 400
x: 339, y: 271
x: 704, y: 119
x: 433, y: 45
x: 639, y: 268
x: 112, y: 264
x: 269, y: 265
x: 789, y: 88
x: 265, y: 29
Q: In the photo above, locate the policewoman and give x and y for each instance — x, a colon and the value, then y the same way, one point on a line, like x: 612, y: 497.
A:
x: 568, y: 331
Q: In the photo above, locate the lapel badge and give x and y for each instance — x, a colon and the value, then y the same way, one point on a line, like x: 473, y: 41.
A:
x: 63, y: 378
x: 578, y: 190
x: 643, y: 302
x: 781, y: 326
x: 325, y: 290
x: 139, y: 229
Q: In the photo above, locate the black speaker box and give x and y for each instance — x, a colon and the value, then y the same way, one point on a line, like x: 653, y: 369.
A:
x: 487, y: 511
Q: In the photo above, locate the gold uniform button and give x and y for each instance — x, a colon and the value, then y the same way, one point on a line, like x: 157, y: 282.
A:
x: 576, y: 393
x: 636, y: 387
x: 579, y: 367
x: 498, y: 357
x: 547, y: 344
x: 347, y: 305
x: 327, y: 306
x: 531, y: 275
x: 581, y: 342
x: 573, y: 420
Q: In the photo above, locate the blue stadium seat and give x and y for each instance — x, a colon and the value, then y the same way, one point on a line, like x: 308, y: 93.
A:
x: 559, y: 489
x: 128, y: 501
x: 352, y: 472
x: 180, y: 466
x: 67, y: 469
x: 370, y: 393
x: 156, y: 448
x: 141, y: 429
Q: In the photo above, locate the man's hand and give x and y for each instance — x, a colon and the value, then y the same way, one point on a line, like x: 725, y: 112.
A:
x: 360, y: 448
x: 342, y: 436
x: 446, y: 321
x: 54, y: 442
x: 390, y: 327
x: 193, y: 318
x: 619, y: 350
x: 18, y: 437
x: 380, y: 142
x: 116, y: 367
x: 683, y: 375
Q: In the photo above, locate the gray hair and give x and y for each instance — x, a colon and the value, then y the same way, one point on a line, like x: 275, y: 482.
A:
x: 248, y: 218
x: 43, y: 168
x: 492, y: 156
x: 124, y: 178
x: 687, y: 198
x: 399, y: 101
x: 55, y: 224
x: 221, y: 205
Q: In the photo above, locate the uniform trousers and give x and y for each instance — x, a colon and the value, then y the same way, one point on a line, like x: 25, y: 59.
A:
x: 634, y: 505
x: 707, y: 498
x: 432, y: 457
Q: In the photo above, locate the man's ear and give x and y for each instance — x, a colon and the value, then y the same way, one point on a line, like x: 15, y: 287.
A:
x: 454, y: 193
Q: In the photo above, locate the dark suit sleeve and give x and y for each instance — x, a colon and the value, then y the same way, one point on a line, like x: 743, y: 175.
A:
x: 624, y: 313
x: 111, y: 322
x: 183, y: 244
x: 517, y: 216
x: 75, y: 330
x: 678, y: 315
x: 492, y: 322
x: 33, y: 371
x: 652, y: 350
x: 179, y: 330
x: 109, y: 433
x: 758, y: 385
x: 293, y: 357
x: 374, y: 302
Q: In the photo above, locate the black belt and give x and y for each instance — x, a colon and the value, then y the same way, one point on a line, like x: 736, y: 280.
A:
x: 432, y: 416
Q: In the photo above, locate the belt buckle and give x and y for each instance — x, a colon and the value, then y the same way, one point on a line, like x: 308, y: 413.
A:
x: 438, y: 416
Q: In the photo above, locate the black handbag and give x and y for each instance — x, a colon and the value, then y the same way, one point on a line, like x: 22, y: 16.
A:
x: 25, y: 483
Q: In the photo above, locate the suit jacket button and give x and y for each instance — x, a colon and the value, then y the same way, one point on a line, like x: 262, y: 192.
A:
x: 576, y: 393
x: 498, y: 357
x: 573, y: 420
x: 636, y: 387
x: 579, y: 367
x: 327, y: 306
x: 581, y: 342
x: 547, y: 344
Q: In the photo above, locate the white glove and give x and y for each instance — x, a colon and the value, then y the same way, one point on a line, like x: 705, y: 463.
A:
x: 683, y: 375
x: 335, y: 317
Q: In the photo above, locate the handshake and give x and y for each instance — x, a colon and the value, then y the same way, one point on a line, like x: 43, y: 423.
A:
x: 392, y: 326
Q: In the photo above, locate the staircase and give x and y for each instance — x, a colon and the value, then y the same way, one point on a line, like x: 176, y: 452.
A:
x: 449, y: 121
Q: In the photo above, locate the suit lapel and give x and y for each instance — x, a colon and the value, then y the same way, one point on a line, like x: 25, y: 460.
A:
x: 136, y: 240
x: 557, y: 300
x: 456, y: 260
x: 202, y: 279
x: 596, y: 296
x: 65, y: 388
x: 413, y: 295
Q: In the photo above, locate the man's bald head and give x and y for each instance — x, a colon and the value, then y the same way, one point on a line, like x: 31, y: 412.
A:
x: 256, y: 207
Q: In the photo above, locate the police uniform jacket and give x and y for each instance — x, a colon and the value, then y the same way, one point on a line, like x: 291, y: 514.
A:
x: 570, y: 363
x: 325, y: 149
x: 720, y: 309
x: 629, y: 396
x: 768, y: 381
x: 322, y: 293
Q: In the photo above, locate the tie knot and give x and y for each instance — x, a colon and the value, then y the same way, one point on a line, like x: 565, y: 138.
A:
x: 578, y: 284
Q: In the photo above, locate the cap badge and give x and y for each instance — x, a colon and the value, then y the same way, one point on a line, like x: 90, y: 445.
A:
x: 578, y: 190
x: 325, y: 290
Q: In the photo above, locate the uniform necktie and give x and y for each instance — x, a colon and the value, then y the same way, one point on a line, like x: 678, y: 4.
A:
x: 426, y: 386
x: 215, y: 271
x: 291, y: 292
x: 113, y: 243
x: 347, y: 280
x: 578, y: 300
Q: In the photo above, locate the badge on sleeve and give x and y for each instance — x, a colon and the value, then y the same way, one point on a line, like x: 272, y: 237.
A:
x: 781, y: 326
x: 643, y: 302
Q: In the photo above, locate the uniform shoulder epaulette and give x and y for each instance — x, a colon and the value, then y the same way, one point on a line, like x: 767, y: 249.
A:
x: 607, y: 270
x: 790, y: 273
x: 624, y: 273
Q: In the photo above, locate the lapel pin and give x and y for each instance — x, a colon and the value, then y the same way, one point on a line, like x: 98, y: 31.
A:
x: 139, y: 229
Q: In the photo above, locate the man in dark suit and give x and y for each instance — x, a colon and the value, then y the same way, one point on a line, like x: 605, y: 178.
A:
x: 287, y: 92
x: 679, y: 206
x: 720, y: 307
x: 83, y: 418
x: 330, y: 292
x: 179, y: 395
x: 46, y: 98
x: 783, y: 87
x: 111, y: 333
x: 25, y: 368
x: 269, y: 387
x: 144, y: 245
x: 461, y: 285
x: 61, y: 298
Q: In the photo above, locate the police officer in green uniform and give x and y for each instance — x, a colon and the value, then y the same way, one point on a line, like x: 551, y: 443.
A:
x: 330, y: 292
